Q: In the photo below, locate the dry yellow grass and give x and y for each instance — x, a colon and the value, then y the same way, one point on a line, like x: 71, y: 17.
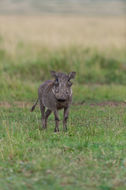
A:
x: 58, y: 31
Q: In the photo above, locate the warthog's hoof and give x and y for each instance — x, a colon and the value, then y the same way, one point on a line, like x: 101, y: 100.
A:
x: 65, y: 130
x: 56, y: 130
x: 42, y: 128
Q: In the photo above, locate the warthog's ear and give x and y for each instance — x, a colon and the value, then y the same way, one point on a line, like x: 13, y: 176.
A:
x: 53, y: 73
x: 72, y: 75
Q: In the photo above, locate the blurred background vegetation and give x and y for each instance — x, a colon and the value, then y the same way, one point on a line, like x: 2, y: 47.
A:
x: 88, y: 37
x: 84, y: 7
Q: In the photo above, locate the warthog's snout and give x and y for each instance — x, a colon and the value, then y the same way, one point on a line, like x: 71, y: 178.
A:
x: 61, y: 100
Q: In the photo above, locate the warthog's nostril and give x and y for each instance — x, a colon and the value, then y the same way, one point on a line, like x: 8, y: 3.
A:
x: 61, y: 100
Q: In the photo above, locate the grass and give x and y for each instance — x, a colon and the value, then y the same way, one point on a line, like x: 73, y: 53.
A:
x: 91, y: 155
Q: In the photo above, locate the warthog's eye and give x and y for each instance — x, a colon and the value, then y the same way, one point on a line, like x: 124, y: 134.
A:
x: 56, y: 82
x: 69, y: 83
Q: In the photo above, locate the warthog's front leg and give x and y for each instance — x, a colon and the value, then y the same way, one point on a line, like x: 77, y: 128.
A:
x: 56, y: 121
x: 66, y: 113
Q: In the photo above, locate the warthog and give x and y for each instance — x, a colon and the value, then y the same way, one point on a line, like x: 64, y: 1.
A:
x: 55, y: 95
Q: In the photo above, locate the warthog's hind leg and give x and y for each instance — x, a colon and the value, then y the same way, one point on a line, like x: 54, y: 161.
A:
x: 47, y: 113
x: 42, y: 108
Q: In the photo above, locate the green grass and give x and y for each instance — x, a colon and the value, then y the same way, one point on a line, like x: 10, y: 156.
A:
x: 92, y: 65
x: 27, y: 92
x: 91, y: 155
x: 101, y: 76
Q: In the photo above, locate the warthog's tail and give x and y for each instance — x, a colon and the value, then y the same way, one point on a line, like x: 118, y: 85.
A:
x: 33, y: 107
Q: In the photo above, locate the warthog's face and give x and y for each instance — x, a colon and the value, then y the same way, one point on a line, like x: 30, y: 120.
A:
x: 62, y: 85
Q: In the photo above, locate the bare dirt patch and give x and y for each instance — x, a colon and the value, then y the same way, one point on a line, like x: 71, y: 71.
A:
x: 5, y: 104
x: 22, y: 104
x: 105, y: 103
x: 109, y: 104
x: 19, y: 104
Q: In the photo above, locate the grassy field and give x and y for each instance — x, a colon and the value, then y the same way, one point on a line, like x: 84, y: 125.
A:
x: 92, y: 154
